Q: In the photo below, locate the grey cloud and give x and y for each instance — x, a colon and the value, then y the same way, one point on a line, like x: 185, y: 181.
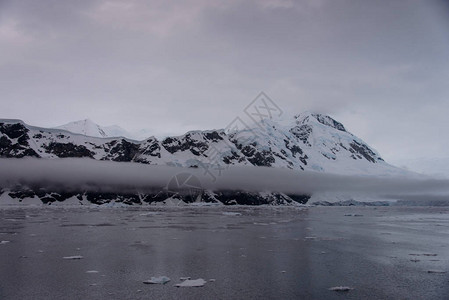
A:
x: 90, y: 175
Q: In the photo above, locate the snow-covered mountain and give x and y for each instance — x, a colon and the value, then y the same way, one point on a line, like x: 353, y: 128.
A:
x: 89, y: 128
x: 307, y: 141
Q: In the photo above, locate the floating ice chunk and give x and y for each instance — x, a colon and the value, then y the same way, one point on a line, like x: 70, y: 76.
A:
x: 92, y: 271
x: 4, y: 242
x: 192, y: 283
x: 150, y: 213
x: 229, y: 213
x: 73, y: 257
x: 341, y: 288
x: 436, y: 271
x: 157, y: 280
x: 212, y: 280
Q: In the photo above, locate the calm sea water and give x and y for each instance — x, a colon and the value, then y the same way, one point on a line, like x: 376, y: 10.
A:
x: 249, y: 252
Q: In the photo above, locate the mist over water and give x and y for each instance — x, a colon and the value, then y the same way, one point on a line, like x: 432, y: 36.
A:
x: 74, y: 175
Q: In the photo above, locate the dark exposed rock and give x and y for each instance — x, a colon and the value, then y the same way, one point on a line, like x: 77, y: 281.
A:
x: 262, y: 159
x: 326, y: 120
x: 122, y: 151
x: 68, y: 150
x: 241, y: 198
x: 173, y: 145
x: 302, y: 133
x: 21, y: 194
x: 186, y: 196
x: 102, y: 198
x: 213, y: 136
x: 17, y: 150
x: 363, y: 150
x: 155, y: 197
x: 153, y: 149
x: 13, y: 131
x: 249, y: 150
x: 228, y: 159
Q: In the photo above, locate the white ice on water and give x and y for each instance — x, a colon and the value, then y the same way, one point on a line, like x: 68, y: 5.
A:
x: 341, y: 288
x: 157, y: 280
x: 192, y: 283
x: 229, y: 213
x: 73, y: 257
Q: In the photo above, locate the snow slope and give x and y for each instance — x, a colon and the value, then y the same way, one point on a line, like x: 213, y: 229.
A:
x: 89, y: 128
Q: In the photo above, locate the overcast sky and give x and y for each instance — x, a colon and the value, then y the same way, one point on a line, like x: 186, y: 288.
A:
x: 379, y: 67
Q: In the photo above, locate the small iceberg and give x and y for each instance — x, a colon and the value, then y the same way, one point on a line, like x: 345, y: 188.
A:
x: 192, y: 283
x: 229, y: 213
x: 73, y: 257
x: 341, y: 288
x: 157, y: 280
x: 4, y: 242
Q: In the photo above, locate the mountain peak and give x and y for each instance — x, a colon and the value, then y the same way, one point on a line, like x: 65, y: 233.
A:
x: 90, y: 128
x: 308, y: 117
x: 84, y: 127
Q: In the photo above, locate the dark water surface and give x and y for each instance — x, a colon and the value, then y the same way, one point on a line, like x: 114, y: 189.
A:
x: 252, y: 253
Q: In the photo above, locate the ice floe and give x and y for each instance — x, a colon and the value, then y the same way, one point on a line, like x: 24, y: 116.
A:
x: 73, y: 257
x: 192, y: 283
x: 229, y: 213
x: 341, y: 288
x: 157, y: 280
